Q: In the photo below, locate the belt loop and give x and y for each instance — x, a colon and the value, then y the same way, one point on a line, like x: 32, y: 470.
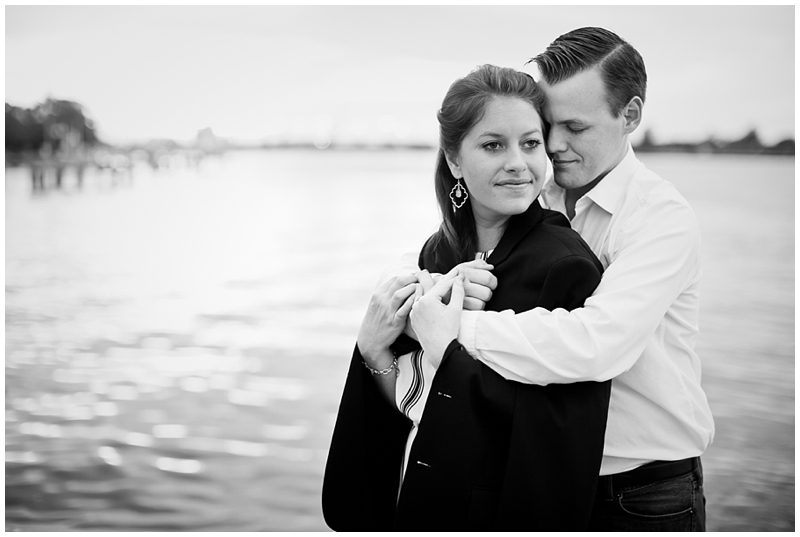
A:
x: 606, y: 485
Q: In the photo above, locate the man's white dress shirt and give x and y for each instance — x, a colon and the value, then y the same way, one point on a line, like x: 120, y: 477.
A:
x: 638, y: 328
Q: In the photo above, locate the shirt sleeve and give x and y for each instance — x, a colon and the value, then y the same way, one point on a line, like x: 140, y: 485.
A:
x: 413, y: 384
x: 654, y: 259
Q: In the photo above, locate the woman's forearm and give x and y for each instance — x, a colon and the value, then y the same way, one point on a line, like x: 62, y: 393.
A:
x: 383, y: 367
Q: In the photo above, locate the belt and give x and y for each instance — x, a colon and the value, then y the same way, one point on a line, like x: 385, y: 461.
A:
x: 653, y: 472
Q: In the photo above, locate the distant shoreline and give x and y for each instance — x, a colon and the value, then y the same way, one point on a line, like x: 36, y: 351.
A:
x: 29, y: 158
x: 699, y: 149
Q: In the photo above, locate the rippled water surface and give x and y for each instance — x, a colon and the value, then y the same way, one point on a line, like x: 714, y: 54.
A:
x: 176, y: 343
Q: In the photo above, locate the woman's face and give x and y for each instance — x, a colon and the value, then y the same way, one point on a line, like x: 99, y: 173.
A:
x: 502, y: 160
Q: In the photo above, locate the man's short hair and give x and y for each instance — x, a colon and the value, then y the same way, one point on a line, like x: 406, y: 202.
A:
x: 621, y: 66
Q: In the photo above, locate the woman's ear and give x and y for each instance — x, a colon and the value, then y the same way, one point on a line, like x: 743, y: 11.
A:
x: 633, y: 114
x: 452, y: 163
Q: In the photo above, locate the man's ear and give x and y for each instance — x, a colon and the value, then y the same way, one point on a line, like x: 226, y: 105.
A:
x: 633, y: 114
x: 452, y: 163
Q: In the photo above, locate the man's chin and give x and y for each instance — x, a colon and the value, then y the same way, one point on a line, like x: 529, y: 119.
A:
x: 566, y: 180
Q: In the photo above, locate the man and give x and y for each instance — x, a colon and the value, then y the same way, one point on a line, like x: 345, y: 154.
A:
x: 640, y: 326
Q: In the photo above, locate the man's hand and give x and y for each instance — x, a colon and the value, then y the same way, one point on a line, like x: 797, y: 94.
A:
x: 479, y: 283
x: 385, y: 319
x: 435, y: 323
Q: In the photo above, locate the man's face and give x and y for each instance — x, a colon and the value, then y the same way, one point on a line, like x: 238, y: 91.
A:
x: 585, y: 141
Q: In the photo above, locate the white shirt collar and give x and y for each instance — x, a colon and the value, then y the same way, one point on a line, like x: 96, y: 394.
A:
x: 607, y: 194
x: 610, y: 191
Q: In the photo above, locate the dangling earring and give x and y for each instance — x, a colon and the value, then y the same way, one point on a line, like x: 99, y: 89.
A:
x: 458, y: 195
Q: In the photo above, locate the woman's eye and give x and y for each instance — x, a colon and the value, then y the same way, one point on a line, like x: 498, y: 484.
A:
x: 532, y: 144
x: 574, y: 130
x: 492, y: 146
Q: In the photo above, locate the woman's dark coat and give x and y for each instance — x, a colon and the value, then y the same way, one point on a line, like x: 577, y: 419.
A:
x: 490, y: 454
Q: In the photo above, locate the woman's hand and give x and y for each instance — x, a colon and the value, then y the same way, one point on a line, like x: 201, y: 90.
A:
x: 385, y: 319
x: 426, y: 281
x: 478, y: 285
x: 435, y: 323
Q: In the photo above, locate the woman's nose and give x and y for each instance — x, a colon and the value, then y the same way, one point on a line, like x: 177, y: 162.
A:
x: 515, y: 163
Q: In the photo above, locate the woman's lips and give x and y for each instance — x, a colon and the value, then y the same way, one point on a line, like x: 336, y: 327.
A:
x: 516, y: 184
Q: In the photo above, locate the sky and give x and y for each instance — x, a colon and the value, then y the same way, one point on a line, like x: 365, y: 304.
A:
x: 379, y: 73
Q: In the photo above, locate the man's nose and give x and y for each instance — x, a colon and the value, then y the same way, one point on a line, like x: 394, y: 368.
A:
x: 556, y: 142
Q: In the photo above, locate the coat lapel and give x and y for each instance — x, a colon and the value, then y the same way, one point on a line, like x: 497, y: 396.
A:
x: 436, y: 256
x: 518, y: 226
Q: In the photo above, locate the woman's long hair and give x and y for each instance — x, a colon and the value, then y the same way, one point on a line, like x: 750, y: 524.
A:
x: 463, y: 106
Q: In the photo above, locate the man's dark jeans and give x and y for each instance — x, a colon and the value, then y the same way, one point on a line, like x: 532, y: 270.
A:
x: 674, y: 504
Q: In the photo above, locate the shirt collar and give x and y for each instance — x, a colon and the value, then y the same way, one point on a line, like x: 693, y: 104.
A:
x: 608, y: 193
x: 611, y: 189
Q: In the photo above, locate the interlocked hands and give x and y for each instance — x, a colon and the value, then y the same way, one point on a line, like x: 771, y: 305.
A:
x: 435, y: 319
x: 435, y: 322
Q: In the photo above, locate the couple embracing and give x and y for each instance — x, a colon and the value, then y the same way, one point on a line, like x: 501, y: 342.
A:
x: 536, y: 370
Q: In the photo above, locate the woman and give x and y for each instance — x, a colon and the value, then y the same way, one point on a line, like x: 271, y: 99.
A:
x: 484, y: 453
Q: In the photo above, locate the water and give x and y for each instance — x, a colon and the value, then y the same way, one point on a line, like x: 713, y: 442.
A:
x: 176, y: 343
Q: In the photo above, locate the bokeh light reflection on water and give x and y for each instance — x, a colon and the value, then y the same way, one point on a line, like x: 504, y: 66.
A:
x: 176, y: 345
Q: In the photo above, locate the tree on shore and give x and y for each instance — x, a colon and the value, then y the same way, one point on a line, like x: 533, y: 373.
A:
x: 56, y: 125
x: 749, y: 144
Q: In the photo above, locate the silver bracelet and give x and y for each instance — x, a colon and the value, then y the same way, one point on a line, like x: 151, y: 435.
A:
x: 382, y: 371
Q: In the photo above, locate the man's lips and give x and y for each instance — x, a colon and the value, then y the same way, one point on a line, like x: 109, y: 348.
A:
x: 558, y: 163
